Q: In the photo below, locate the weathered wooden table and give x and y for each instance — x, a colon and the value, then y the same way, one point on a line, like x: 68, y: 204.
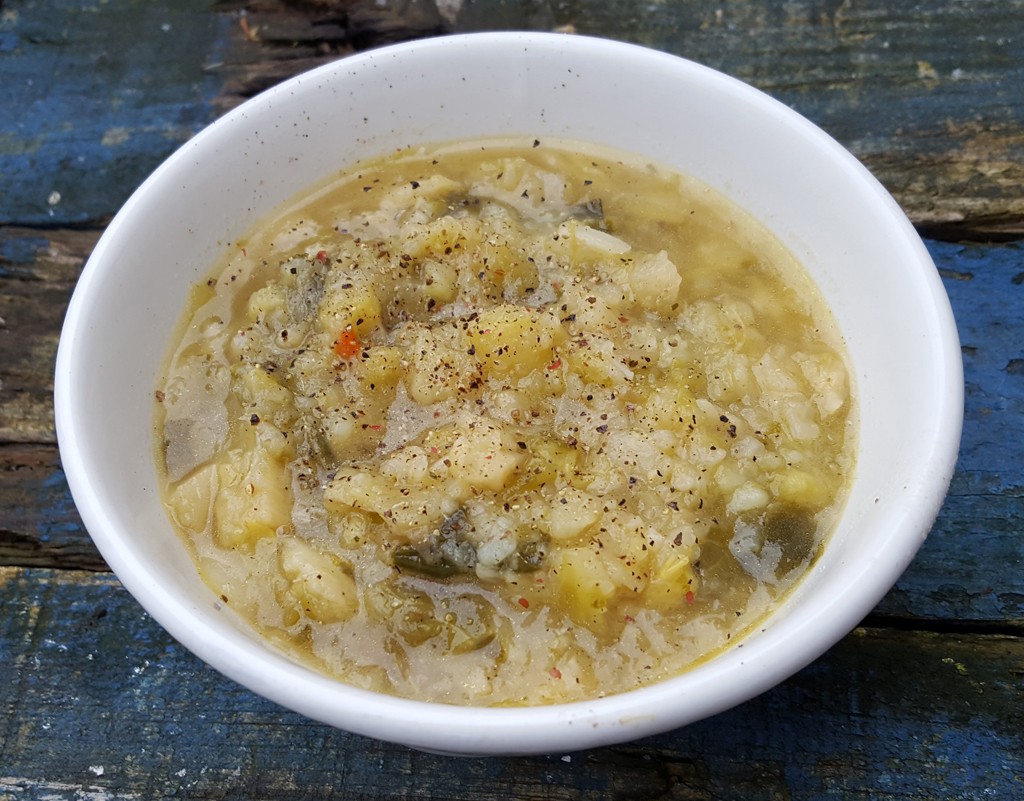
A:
x: 924, y: 701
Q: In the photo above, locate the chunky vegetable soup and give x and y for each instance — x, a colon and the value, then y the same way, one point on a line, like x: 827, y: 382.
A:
x: 504, y: 423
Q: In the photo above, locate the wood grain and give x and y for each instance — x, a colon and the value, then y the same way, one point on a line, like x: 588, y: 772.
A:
x: 105, y: 702
x: 929, y: 96
x: 38, y: 270
x: 926, y: 701
x: 983, y: 584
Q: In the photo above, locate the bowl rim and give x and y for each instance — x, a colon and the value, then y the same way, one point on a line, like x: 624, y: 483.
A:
x: 482, y: 730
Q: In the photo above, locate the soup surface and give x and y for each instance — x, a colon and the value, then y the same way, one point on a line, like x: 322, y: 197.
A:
x: 507, y: 422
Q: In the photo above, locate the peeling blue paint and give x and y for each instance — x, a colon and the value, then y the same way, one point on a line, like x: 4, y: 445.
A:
x: 80, y: 85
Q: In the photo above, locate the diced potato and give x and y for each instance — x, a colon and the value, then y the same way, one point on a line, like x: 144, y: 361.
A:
x: 347, y: 304
x: 549, y: 460
x: 573, y: 512
x: 341, y: 433
x: 724, y: 321
x: 440, y: 281
x: 798, y: 414
x: 440, y: 237
x: 262, y: 393
x: 190, y: 502
x: 381, y: 368
x: 583, y: 586
x: 513, y: 341
x: 266, y: 302
x: 729, y: 477
x: 485, y: 456
x: 776, y: 372
x: 408, y: 466
x: 597, y: 361
x: 585, y: 238
x: 352, y: 488
x: 592, y: 309
x: 421, y: 509
x: 802, y: 488
x: 437, y: 441
x: 748, y: 496
x: 669, y: 407
x: 401, y: 509
x: 254, y: 497
x: 826, y: 374
x: 318, y: 582
x: 671, y: 582
x: 626, y: 551
x: 436, y: 371
x: 730, y: 379
x: 274, y: 441
x: 655, y: 281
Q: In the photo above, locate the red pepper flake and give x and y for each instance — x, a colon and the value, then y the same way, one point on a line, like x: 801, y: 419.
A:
x: 321, y: 256
x: 555, y: 364
x: 555, y: 673
x: 376, y: 428
x: 348, y: 344
x: 689, y: 597
x: 524, y: 603
x: 629, y: 619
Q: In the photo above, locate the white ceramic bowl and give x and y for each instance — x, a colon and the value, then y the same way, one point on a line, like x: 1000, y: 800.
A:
x: 848, y: 232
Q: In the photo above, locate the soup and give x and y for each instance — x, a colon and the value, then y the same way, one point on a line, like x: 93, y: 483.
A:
x: 505, y: 422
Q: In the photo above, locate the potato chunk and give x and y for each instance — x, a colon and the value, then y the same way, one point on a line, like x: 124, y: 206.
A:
x: 485, y: 457
x: 346, y: 305
x: 254, y: 498
x: 655, y: 281
x: 318, y: 583
x: 583, y: 585
x: 513, y: 341
x: 573, y: 513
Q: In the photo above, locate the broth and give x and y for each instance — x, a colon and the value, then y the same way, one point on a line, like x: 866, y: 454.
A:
x: 506, y: 422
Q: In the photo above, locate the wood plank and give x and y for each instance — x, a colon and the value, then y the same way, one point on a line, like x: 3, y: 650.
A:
x: 982, y: 581
x: 98, y: 95
x: 101, y: 703
x: 38, y: 270
x: 931, y: 98
x: 982, y: 584
x: 929, y: 95
x: 39, y: 525
x: 276, y: 39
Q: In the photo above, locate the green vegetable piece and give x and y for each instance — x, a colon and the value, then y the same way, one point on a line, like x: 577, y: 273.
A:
x: 445, y: 553
x: 470, y: 623
x: 794, y: 530
x: 529, y: 556
x: 407, y: 612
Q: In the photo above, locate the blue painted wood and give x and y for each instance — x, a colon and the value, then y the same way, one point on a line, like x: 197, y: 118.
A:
x: 102, y: 704
x: 94, y: 97
x: 929, y: 95
x: 982, y: 582
x: 98, y: 702
x: 972, y: 565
